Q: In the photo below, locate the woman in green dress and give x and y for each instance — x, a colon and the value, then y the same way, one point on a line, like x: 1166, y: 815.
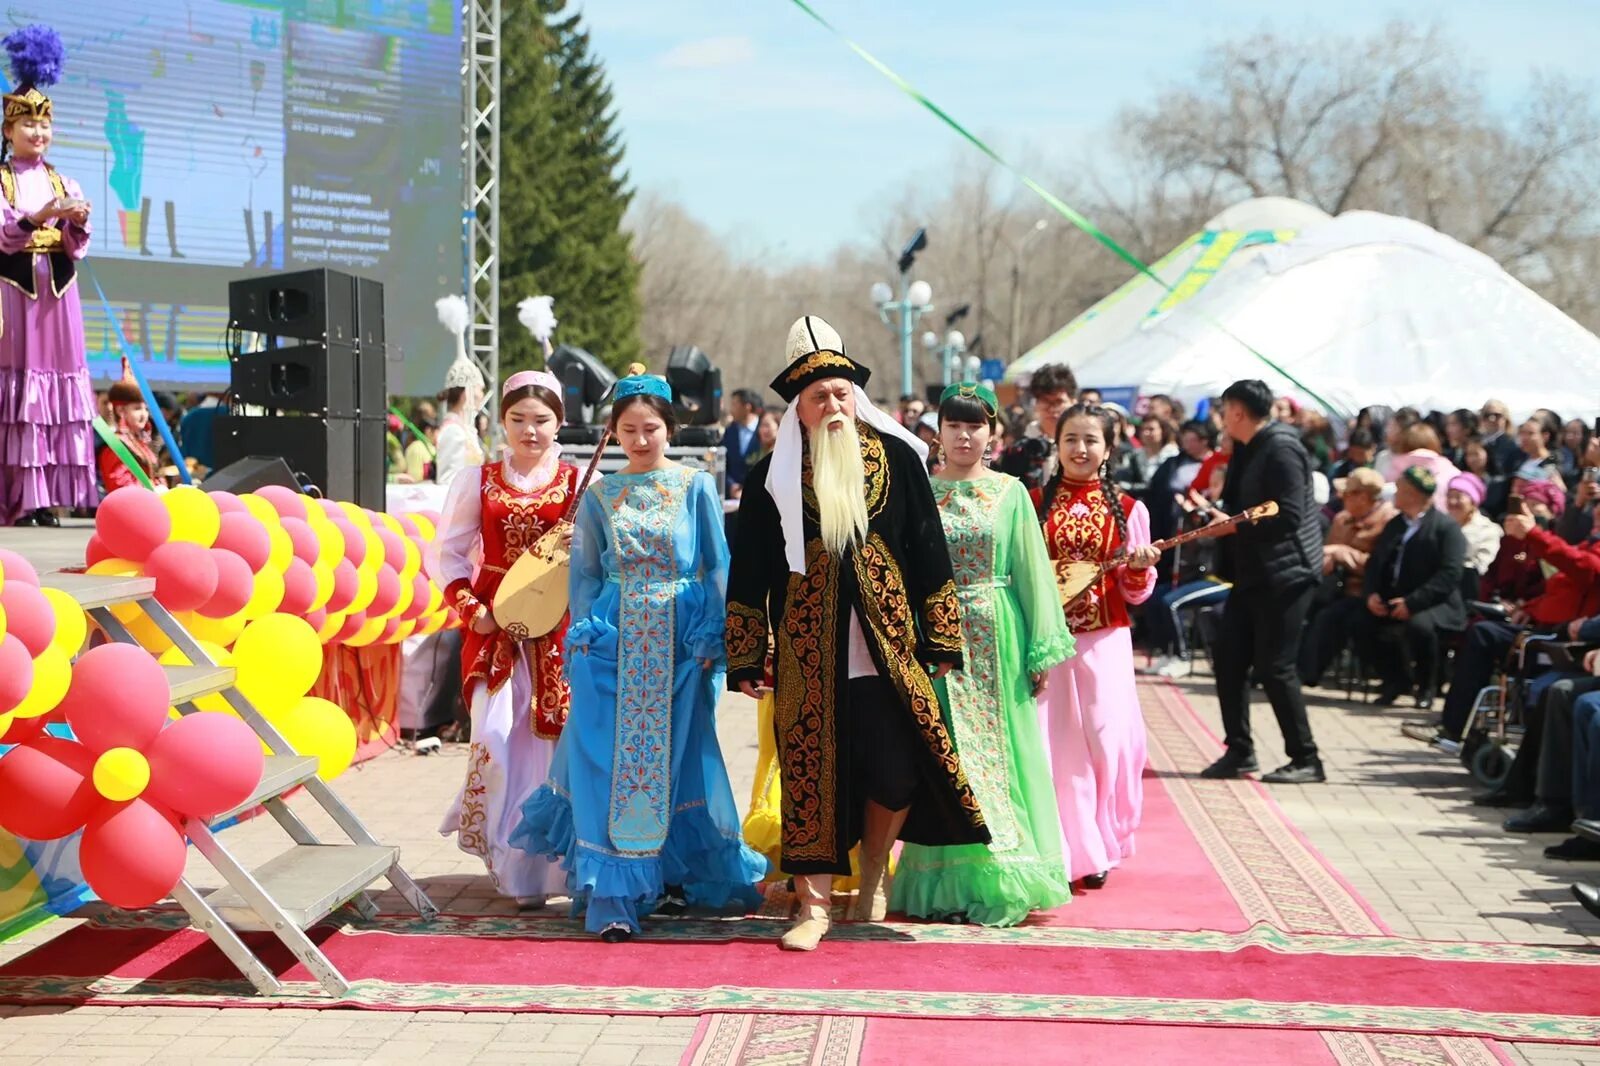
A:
x: 1015, y: 631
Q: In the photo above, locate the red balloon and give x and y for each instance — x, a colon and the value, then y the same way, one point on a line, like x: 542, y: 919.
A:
x: 244, y: 534
x: 132, y: 523
x: 132, y: 853
x: 352, y: 626
x: 345, y: 585
x: 299, y: 588
x: 355, y: 543
x: 227, y: 502
x: 317, y: 619
x: 46, y: 788
x: 204, y: 764
x: 235, y: 582
x: 394, y: 548
x: 16, y: 673
x: 185, y: 573
x: 420, y: 590
x: 304, y: 539
x: 287, y: 502
x: 96, y: 551
x: 388, y: 592
x: 28, y: 616
x: 17, y: 568
x: 118, y: 697
x: 390, y: 628
x: 22, y: 730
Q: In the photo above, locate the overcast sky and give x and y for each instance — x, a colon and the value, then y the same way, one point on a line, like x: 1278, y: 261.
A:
x: 769, y: 129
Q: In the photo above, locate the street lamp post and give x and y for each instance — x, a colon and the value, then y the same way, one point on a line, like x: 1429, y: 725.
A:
x: 1016, y: 284
x: 916, y: 298
x: 949, y: 353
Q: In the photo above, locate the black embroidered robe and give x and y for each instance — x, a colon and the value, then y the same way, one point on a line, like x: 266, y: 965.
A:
x: 901, y: 585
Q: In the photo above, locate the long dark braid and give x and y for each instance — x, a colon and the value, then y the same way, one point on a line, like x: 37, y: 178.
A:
x: 1114, y: 501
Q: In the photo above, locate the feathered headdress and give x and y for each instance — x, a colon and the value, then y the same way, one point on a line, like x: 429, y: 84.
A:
x: 463, y: 373
x: 538, y: 315
x: 35, y: 54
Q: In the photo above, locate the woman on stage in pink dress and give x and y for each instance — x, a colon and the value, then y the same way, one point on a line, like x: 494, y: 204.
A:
x: 46, y: 404
x: 1089, y: 712
x: 516, y: 690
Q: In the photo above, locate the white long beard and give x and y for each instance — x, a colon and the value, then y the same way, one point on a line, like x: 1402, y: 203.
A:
x: 839, y: 479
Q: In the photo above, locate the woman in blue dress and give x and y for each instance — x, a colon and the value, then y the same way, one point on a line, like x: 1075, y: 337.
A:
x: 638, y: 807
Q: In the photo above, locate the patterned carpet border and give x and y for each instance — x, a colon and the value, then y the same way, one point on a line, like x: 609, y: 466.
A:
x: 1406, y: 1049
x: 778, y: 1040
x: 583, y: 999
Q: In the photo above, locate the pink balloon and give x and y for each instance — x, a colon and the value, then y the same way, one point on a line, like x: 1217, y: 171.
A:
x: 46, y: 788
x: 299, y: 588
x: 388, y: 592
x: 118, y: 698
x: 235, y: 582
x: 394, y: 548
x: 132, y: 523
x: 409, y: 524
x: 329, y: 507
x: 352, y: 626
x: 355, y: 545
x: 28, y: 616
x: 390, y: 628
x: 132, y: 854
x: 227, y: 502
x: 96, y: 550
x: 345, y: 585
x: 16, y: 675
x: 287, y: 502
x: 244, y: 534
x: 420, y: 590
x: 304, y: 539
x: 185, y: 573
x: 317, y: 619
x: 204, y: 764
x: 17, y: 568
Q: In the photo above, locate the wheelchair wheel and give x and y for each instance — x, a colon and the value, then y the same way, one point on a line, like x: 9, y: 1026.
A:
x: 1491, y: 765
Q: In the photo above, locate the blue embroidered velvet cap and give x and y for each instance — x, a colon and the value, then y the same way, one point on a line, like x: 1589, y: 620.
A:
x: 638, y: 383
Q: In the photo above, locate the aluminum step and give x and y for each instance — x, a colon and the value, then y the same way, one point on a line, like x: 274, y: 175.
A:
x: 281, y: 773
x: 191, y: 682
x: 96, y: 590
x: 308, y: 882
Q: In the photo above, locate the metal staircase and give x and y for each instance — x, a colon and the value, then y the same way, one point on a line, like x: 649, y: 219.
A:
x: 294, y: 891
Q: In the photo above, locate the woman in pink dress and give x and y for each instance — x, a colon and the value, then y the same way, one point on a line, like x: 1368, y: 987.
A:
x: 1089, y: 712
x: 46, y: 404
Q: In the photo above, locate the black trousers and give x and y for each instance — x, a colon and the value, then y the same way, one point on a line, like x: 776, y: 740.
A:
x: 1261, y: 628
x: 1476, y: 664
x: 1326, y: 635
x: 1405, y: 654
x: 883, y: 743
x: 1555, y: 776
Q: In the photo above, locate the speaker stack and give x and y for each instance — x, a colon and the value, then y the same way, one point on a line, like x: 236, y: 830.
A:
x: 307, y: 350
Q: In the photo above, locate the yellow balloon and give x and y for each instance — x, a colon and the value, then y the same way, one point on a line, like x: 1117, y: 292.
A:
x: 147, y: 633
x: 374, y: 557
x: 330, y: 542
x: 317, y: 727
x: 405, y: 630
x: 404, y: 601
x: 2, y: 610
x: 219, y: 655
x: 220, y: 632
x: 194, y: 514
x: 435, y: 597
x: 282, y: 548
x: 367, y: 633
x: 278, y: 659
x: 121, y: 774
x: 413, y: 561
x: 72, y: 625
x: 260, y: 508
x: 425, y: 526
x: 331, y: 627
x: 5, y: 719
x: 366, y: 590
x: 324, y: 576
x: 52, y: 673
x: 122, y: 612
x: 265, y: 595
x: 356, y: 514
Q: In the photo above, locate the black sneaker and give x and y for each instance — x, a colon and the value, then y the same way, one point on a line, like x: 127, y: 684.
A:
x: 674, y: 904
x: 1296, y: 773
x: 616, y: 933
x: 1230, y: 766
x: 1539, y: 818
x: 1574, y: 849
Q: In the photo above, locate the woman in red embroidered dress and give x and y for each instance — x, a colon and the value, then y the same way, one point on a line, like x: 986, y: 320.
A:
x: 131, y: 419
x: 516, y: 690
x: 1089, y: 712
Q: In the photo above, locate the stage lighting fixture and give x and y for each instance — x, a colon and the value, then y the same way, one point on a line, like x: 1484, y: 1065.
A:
x: 585, y: 381
x: 696, y: 386
x: 918, y: 241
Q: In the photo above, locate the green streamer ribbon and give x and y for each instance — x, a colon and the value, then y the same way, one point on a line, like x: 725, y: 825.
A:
x: 1060, y: 206
x: 114, y: 442
x: 426, y: 443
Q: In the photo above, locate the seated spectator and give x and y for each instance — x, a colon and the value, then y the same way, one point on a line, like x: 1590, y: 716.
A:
x: 1573, y: 592
x: 1192, y: 584
x: 1574, y: 443
x: 1536, y: 439
x: 1341, y: 600
x: 1541, y: 776
x: 1163, y: 496
x: 1494, y: 422
x: 1316, y: 433
x: 1165, y: 408
x: 1413, y: 585
x: 1419, y: 446
x: 1483, y: 536
x: 1496, y: 487
x: 1585, y: 772
x: 1358, y: 452
x: 1157, y: 444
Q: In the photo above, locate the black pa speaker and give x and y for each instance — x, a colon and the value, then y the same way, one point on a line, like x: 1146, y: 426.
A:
x: 306, y: 305
x: 322, y: 379
x: 251, y: 473
x: 341, y: 458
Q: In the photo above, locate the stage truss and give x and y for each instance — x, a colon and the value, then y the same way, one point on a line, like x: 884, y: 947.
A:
x: 480, y: 208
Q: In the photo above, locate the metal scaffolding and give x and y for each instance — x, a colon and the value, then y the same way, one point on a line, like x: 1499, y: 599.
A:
x: 480, y: 207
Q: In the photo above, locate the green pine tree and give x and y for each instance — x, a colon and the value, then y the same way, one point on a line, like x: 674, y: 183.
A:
x: 563, y: 190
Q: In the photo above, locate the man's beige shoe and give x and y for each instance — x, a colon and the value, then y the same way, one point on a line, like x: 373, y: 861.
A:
x: 808, y: 930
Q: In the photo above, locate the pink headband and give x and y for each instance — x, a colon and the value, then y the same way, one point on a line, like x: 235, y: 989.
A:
x: 523, y: 378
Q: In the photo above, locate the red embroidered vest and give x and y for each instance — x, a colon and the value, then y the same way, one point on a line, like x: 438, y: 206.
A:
x: 1080, y: 527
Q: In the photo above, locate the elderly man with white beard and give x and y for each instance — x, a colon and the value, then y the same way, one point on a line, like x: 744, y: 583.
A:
x: 841, y: 558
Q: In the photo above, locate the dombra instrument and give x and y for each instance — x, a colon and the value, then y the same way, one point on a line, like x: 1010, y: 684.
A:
x: 1075, y: 579
x: 532, y: 598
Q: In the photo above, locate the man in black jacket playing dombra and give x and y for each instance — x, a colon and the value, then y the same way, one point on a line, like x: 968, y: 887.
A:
x: 1275, y: 566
